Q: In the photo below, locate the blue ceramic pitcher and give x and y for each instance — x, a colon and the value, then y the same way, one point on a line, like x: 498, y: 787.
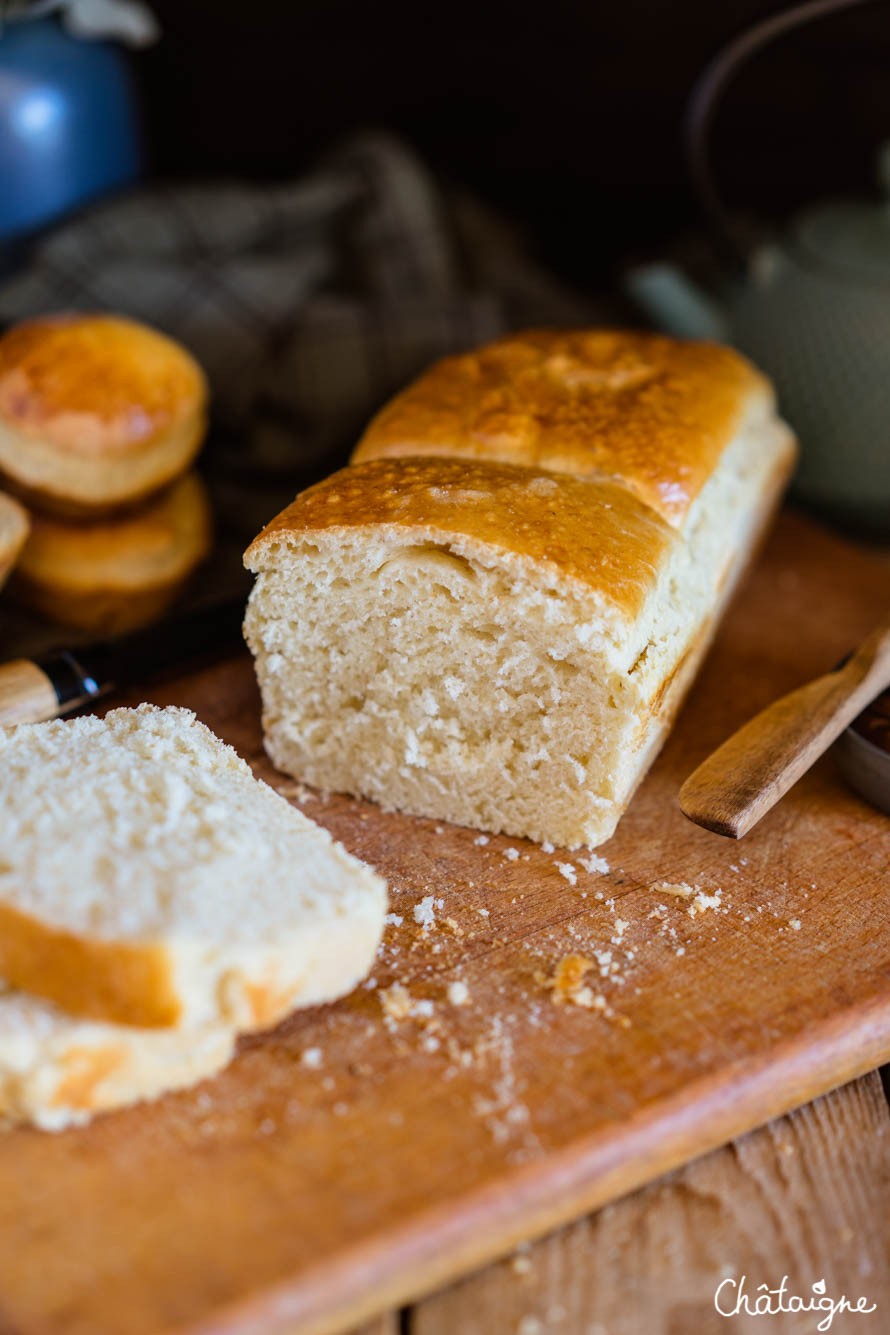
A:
x: 69, y: 125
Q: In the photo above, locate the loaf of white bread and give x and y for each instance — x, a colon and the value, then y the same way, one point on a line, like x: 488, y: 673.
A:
x: 492, y: 616
x: 155, y: 900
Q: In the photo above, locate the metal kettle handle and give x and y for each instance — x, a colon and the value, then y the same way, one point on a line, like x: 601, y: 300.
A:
x: 702, y: 106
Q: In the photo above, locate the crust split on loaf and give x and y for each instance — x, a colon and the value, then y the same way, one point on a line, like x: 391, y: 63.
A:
x: 459, y: 634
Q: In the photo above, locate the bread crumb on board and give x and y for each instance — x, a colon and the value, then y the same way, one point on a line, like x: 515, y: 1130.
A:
x: 680, y: 889
x: 425, y: 912
x: 567, y: 984
x: 396, y: 1002
x: 458, y: 993
x: 312, y: 1057
x: 701, y: 900
x: 594, y: 864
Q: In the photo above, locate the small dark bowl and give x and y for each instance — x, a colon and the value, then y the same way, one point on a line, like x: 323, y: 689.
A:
x: 866, y: 767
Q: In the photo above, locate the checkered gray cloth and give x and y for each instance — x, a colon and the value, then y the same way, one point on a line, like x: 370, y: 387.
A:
x: 307, y: 303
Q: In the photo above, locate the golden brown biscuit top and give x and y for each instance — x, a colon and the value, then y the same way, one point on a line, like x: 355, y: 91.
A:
x: 596, y: 533
x: 92, y: 384
x: 652, y: 412
x: 143, y: 548
x: 14, y: 521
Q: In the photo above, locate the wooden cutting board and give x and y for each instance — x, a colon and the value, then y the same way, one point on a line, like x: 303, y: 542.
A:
x: 369, y: 1151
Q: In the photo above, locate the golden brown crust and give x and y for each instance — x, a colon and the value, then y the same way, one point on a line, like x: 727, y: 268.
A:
x: 267, y: 1003
x: 112, y: 981
x: 96, y: 385
x: 84, y: 1069
x: 113, y: 575
x: 39, y: 500
x: 57, y: 1071
x: 141, y: 550
x: 14, y: 528
x: 671, y: 694
x: 595, y: 533
x: 652, y: 412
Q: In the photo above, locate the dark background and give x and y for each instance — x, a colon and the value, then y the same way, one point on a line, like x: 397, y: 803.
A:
x: 566, y: 115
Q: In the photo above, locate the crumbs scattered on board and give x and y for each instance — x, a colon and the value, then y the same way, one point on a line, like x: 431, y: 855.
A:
x: 440, y: 998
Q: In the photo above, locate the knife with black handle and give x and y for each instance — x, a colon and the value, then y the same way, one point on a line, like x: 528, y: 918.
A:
x: 34, y: 689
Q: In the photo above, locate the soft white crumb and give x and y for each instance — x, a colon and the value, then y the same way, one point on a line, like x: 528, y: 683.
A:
x: 594, y: 864
x: 703, y: 902
x: 568, y: 871
x: 425, y: 912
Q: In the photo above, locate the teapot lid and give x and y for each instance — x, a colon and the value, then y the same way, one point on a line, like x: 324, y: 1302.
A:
x: 850, y: 237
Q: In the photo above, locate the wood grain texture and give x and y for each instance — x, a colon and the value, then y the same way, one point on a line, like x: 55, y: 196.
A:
x: 433, y: 1137
x: 753, y: 769
x: 804, y: 1196
x: 26, y: 694
x: 388, y: 1324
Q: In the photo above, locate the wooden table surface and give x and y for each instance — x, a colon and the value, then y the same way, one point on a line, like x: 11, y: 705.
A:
x: 806, y: 1196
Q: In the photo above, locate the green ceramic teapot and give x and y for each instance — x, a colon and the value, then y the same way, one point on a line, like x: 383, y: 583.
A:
x: 812, y: 309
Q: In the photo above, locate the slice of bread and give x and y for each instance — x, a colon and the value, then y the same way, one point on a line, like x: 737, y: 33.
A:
x: 14, y: 527
x: 56, y: 1071
x: 147, y: 878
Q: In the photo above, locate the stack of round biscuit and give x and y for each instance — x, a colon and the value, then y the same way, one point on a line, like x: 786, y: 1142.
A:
x: 100, y: 422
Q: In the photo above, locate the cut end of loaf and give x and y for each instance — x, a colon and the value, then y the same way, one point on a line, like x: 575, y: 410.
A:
x: 435, y: 679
